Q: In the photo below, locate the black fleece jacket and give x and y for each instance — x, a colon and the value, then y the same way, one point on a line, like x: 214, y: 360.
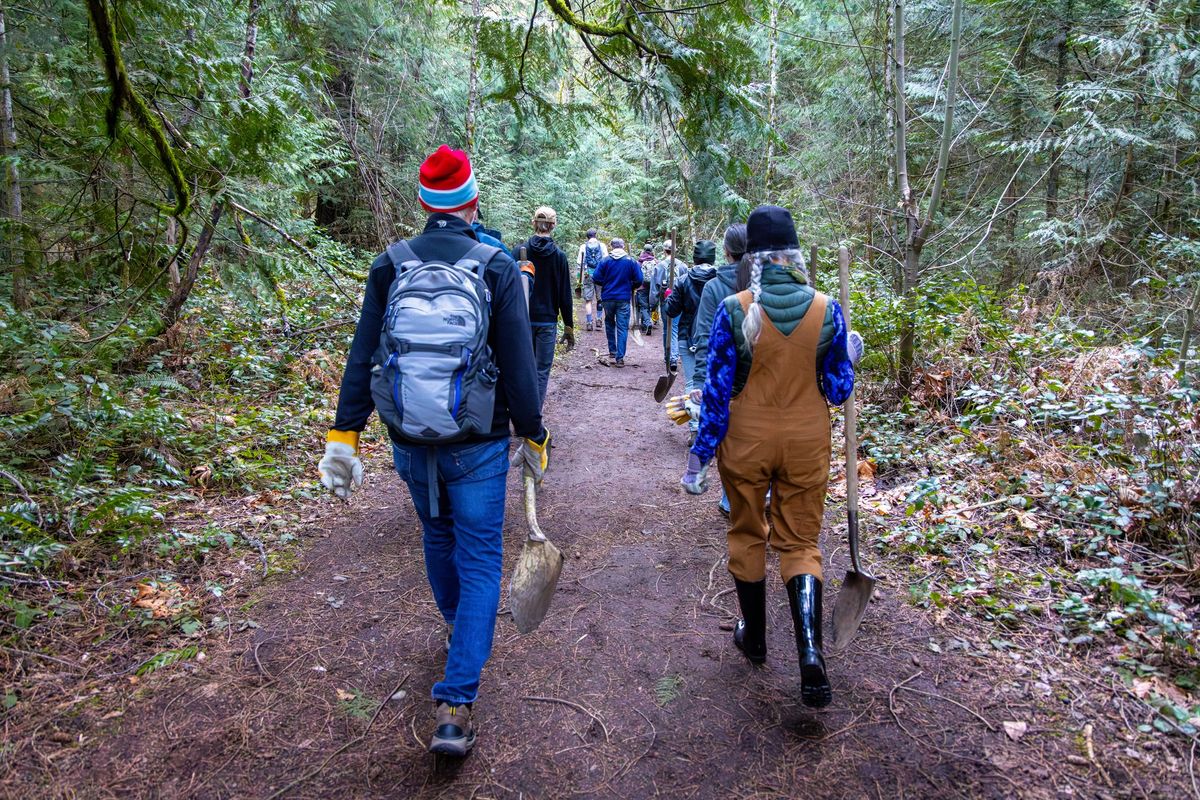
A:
x: 448, y: 238
x: 551, y: 296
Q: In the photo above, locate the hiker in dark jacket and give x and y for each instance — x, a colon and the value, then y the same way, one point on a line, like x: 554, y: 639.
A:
x: 683, y: 300
x: 550, y: 299
x: 617, y: 277
x: 457, y: 489
x: 660, y: 283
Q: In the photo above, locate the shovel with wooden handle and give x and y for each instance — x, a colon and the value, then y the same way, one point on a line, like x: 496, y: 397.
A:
x: 535, y: 577
x: 663, y: 387
x: 858, y: 585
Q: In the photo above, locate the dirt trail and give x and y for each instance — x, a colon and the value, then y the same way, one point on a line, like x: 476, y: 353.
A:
x: 643, y: 692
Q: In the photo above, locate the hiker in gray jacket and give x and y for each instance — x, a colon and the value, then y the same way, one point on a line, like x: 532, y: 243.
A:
x: 723, y: 284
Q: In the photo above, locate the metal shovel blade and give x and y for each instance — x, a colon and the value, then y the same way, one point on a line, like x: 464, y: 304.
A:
x: 531, y: 588
x: 663, y: 387
x: 850, y: 607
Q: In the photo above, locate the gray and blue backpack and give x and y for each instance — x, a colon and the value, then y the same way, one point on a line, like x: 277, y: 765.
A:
x: 433, y: 380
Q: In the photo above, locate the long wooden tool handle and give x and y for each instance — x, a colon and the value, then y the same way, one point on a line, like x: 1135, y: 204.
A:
x: 535, y: 530
x: 670, y: 285
x: 851, y: 417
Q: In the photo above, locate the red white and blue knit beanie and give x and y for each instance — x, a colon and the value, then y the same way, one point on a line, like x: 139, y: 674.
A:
x: 447, y: 181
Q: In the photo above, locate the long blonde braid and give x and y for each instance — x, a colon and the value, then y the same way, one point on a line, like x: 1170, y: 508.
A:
x: 752, y: 324
x: 790, y: 259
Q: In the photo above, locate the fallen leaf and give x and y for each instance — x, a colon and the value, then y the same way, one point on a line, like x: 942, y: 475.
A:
x: 866, y: 470
x: 345, y: 696
x: 1015, y: 730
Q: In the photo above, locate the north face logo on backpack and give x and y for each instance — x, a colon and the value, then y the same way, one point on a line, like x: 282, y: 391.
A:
x: 434, y: 381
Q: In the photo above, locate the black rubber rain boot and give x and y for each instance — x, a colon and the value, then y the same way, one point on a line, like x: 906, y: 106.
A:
x: 750, y: 632
x: 804, y: 596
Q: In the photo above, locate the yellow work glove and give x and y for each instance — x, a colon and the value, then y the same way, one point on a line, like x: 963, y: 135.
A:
x: 341, y: 469
x: 533, y: 456
x: 677, y: 410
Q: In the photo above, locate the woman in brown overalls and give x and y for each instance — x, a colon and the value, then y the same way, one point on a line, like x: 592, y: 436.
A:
x: 779, y: 353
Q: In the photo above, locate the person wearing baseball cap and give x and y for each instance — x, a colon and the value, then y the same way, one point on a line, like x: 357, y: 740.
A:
x: 457, y: 489
x: 660, y: 285
x: 779, y: 355
x: 550, y: 299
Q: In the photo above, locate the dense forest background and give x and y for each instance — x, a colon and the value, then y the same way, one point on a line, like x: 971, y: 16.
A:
x: 193, y: 190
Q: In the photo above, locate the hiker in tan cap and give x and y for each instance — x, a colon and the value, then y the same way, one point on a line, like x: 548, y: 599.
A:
x: 550, y: 299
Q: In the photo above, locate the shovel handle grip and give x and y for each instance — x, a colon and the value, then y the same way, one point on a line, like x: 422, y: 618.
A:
x: 851, y: 418
x: 535, y: 531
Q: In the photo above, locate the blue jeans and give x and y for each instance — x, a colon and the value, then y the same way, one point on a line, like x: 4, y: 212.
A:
x: 644, y: 309
x: 463, y: 548
x: 616, y: 326
x: 687, y: 357
x: 545, y: 336
x: 673, y: 324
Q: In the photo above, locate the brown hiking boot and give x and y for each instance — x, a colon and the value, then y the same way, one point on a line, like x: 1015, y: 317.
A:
x: 455, y: 735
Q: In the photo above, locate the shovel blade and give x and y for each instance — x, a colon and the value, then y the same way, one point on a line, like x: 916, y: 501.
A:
x: 850, y: 607
x: 531, y: 588
x: 663, y: 387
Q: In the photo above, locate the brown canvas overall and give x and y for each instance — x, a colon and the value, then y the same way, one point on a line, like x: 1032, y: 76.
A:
x: 779, y: 436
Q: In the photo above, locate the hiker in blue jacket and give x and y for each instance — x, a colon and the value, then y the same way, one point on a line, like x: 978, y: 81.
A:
x: 617, y: 277
x: 458, y: 489
x: 488, y: 235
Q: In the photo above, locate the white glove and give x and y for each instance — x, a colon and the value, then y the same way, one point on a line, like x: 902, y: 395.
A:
x: 854, y: 346
x: 341, y: 469
x: 695, y: 479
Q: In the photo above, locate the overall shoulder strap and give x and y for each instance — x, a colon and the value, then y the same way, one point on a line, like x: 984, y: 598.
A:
x: 402, y: 255
x: 814, y: 318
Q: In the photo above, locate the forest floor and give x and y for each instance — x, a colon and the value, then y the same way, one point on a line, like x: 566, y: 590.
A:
x: 319, y: 686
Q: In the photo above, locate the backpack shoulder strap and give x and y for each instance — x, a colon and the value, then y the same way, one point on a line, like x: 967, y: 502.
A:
x: 402, y: 255
x: 481, y: 254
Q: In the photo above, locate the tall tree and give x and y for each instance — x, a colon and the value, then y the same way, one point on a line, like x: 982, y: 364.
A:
x: 918, y: 227
x: 12, y: 187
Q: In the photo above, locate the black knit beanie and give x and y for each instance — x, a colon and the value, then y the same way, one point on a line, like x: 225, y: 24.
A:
x: 770, y: 228
x: 705, y: 252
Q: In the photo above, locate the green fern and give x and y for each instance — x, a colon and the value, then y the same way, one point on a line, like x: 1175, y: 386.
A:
x: 667, y: 689
x: 167, y: 658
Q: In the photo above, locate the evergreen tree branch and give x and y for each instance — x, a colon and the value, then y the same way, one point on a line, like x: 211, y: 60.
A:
x: 624, y: 30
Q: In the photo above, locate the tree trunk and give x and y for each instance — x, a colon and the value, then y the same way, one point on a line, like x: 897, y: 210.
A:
x: 22, y: 263
x: 1016, y: 113
x: 248, y: 50
x: 473, y: 81
x: 174, y: 306
x: 916, y: 232
x: 1189, y: 324
x: 1060, y: 81
x: 772, y: 100
x: 908, y: 272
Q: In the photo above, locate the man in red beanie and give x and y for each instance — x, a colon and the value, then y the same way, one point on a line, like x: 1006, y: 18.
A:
x: 413, y: 348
